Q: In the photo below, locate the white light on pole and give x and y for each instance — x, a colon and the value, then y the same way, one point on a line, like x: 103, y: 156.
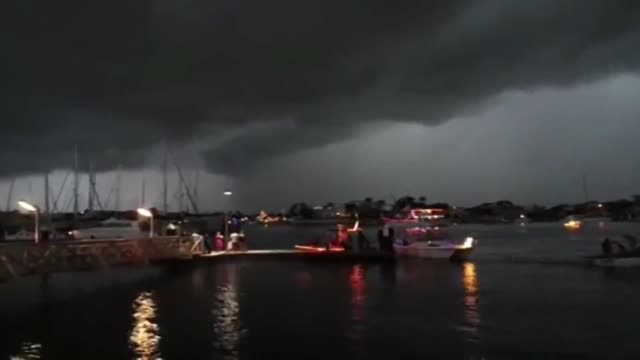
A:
x: 226, y: 217
x: 34, y: 209
x: 148, y: 214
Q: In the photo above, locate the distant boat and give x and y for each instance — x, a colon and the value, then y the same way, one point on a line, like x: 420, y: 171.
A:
x: 571, y: 223
x: 417, y: 216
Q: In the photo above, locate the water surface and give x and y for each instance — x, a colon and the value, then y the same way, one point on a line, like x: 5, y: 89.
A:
x: 525, y: 295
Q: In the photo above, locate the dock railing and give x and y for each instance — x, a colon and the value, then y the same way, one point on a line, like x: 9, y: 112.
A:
x: 21, y: 259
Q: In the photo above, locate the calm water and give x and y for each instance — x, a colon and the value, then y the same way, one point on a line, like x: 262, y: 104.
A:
x: 525, y: 295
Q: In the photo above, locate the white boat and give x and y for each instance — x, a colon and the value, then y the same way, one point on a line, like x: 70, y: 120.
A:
x: 435, y: 249
x: 111, y: 229
x: 616, y: 261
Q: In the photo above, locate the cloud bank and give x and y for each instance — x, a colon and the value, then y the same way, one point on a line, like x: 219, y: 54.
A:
x: 259, y: 80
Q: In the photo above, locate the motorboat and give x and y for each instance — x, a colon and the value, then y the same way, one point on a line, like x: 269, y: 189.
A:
x: 572, y: 223
x: 421, y: 245
x: 624, y: 255
x: 429, y: 232
x: 436, y: 249
x: 332, y: 241
x: 616, y: 261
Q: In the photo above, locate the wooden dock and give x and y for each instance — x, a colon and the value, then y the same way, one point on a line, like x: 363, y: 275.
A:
x: 24, y: 259
x: 365, y: 256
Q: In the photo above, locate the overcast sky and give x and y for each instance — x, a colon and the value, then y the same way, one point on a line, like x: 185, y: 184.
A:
x: 282, y: 101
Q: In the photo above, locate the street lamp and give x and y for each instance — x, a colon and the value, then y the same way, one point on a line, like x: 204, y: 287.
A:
x: 34, y: 209
x: 226, y: 217
x: 148, y: 214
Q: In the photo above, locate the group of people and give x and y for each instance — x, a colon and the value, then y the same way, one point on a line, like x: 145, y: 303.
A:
x: 237, y: 241
x: 344, y: 238
x: 386, y: 237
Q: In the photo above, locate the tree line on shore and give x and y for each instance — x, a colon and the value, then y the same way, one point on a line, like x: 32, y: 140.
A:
x: 498, y: 211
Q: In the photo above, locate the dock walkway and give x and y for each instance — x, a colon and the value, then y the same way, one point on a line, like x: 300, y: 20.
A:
x: 365, y: 256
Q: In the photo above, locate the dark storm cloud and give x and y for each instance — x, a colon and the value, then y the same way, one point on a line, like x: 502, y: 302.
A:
x: 117, y: 77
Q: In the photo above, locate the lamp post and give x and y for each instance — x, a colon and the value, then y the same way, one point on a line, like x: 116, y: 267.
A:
x: 226, y: 217
x: 34, y: 209
x: 148, y: 214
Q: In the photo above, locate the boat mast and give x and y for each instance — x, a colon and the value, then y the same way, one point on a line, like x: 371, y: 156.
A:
x: 76, y: 183
x: 118, y: 184
x: 56, y: 200
x: 165, y: 179
x: 91, y: 188
x: 143, y: 192
x: 10, y: 194
x: 46, y: 193
x: 196, y: 185
x: 185, y: 186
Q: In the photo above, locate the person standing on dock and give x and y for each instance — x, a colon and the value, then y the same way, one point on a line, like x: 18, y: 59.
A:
x: 342, y: 236
x: 219, y: 242
x: 363, y: 242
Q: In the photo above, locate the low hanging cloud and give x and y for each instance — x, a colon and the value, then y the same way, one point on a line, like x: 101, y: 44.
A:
x: 117, y: 78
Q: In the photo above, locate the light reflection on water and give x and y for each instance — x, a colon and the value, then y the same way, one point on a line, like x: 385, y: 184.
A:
x: 358, y: 298
x: 145, y: 336
x: 471, y: 300
x: 227, y: 327
x: 28, y: 351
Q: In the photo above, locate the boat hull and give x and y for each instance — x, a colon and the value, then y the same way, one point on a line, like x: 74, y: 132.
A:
x: 616, y: 261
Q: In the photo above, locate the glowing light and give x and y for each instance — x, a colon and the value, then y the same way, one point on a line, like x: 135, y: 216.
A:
x: 522, y: 216
x: 355, y: 227
x: 468, y: 243
x: 599, y: 205
x: 573, y: 224
x: 27, y: 206
x: 145, y: 212
x: 227, y: 193
x: 319, y: 248
x: 28, y: 350
x: 171, y: 227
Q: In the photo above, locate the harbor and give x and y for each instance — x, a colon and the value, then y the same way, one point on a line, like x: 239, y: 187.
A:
x: 236, y: 295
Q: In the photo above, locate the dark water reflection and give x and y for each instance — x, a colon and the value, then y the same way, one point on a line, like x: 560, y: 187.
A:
x: 293, y: 309
x: 145, y: 336
x: 471, y: 301
x: 227, y: 325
